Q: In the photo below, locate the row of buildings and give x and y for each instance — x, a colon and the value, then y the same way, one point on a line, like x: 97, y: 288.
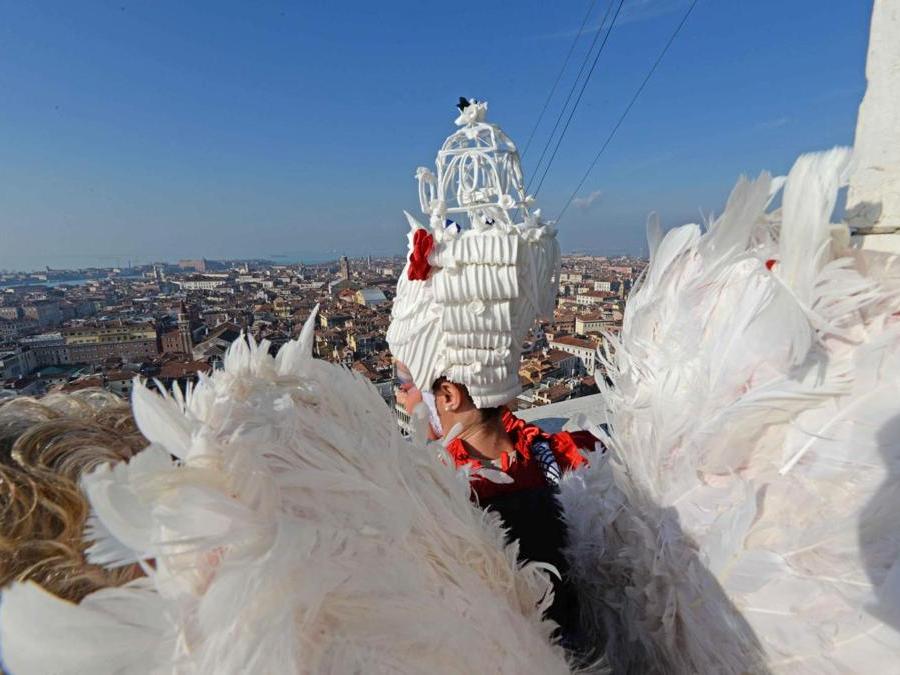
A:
x: 173, y: 322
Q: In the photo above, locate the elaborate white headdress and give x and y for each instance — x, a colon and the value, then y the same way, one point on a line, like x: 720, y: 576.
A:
x: 470, y: 291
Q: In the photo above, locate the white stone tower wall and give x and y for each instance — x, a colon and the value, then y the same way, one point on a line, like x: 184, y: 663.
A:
x: 873, y: 202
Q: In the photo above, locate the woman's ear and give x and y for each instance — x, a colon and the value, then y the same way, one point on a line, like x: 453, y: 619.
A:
x: 448, y: 396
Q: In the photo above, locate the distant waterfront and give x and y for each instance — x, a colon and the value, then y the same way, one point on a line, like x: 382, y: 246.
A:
x: 288, y: 259
x: 63, y: 282
x: 69, y: 282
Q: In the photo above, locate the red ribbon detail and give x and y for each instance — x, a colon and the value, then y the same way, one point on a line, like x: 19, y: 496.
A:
x: 419, y: 268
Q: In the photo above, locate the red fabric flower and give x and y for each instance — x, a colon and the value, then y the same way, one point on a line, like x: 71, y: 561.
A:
x: 419, y: 268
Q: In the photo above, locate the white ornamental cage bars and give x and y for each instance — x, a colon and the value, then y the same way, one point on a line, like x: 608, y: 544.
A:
x: 478, y: 173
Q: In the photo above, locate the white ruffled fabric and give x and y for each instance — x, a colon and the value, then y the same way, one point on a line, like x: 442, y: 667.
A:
x: 468, y: 320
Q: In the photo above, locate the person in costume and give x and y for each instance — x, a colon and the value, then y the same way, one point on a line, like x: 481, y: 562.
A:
x: 477, y: 276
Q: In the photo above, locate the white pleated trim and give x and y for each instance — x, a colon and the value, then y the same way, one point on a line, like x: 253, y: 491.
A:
x: 421, y: 355
x: 486, y: 317
x: 413, y: 309
x: 486, y: 357
x: 412, y: 297
x: 476, y: 282
x: 468, y: 320
x: 483, y: 340
x: 481, y: 248
x: 402, y: 332
x: 476, y: 374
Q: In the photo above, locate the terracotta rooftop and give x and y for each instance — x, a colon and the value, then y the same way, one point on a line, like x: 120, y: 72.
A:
x: 575, y: 342
x: 557, y: 355
x: 178, y: 369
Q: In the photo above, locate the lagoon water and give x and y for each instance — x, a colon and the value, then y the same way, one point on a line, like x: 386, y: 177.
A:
x: 54, y: 284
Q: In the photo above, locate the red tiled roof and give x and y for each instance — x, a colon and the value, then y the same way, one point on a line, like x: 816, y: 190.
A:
x: 557, y: 355
x: 176, y: 369
x: 574, y: 342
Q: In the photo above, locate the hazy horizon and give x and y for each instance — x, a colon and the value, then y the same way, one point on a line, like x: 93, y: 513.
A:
x: 105, y: 262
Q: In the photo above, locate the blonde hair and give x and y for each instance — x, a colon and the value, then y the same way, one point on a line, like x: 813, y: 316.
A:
x: 45, y: 446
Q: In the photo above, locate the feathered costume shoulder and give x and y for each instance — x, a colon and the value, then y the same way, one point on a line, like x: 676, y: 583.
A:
x: 745, y: 518
x: 285, y: 526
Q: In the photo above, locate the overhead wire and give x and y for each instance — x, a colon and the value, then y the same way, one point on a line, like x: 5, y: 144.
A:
x: 631, y: 103
x: 565, y: 105
x: 562, y: 70
x: 580, y: 94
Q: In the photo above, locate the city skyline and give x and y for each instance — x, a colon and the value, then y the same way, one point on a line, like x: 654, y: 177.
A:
x: 63, y: 332
x: 163, y: 131
x: 331, y: 258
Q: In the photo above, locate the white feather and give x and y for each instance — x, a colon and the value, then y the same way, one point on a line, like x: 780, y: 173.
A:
x: 121, y: 526
x: 161, y: 420
x: 743, y: 519
x: 300, y: 533
x: 118, y: 630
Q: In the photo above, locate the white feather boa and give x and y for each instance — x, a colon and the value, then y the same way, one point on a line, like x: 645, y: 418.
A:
x: 746, y: 517
x: 297, y: 532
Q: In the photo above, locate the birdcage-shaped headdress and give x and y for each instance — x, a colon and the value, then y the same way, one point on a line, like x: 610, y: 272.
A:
x: 481, y: 272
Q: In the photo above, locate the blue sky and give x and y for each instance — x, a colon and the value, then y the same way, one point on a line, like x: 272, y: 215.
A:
x: 159, y: 130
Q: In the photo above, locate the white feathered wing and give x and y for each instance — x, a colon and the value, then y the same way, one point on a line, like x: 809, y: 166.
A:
x: 297, y: 533
x: 745, y: 519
